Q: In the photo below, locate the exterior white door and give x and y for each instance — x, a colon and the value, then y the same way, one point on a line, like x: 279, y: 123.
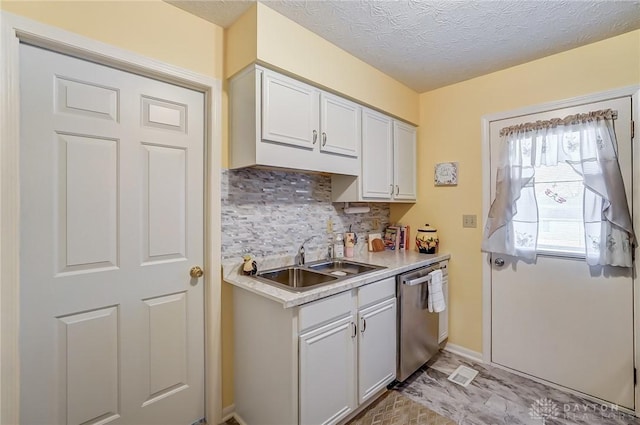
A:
x: 111, y: 323
x: 559, y: 319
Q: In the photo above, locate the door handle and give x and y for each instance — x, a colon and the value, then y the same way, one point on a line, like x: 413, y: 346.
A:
x: 397, y: 190
x: 364, y: 325
x: 315, y: 136
x: 324, y: 138
x: 196, y: 272
x: 354, y: 328
x: 498, y: 262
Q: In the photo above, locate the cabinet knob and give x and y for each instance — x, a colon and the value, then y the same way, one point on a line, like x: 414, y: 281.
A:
x: 324, y: 138
x: 315, y: 136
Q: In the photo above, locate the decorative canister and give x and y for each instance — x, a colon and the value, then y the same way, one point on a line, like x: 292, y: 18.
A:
x: 427, y: 240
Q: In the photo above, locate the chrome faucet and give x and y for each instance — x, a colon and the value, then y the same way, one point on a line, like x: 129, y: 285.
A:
x: 301, y: 251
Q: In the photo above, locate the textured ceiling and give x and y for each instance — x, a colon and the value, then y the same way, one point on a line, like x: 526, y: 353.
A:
x: 427, y: 44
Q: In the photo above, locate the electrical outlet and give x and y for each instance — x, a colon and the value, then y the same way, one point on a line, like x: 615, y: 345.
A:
x: 469, y: 220
x: 329, y: 226
x: 376, y: 224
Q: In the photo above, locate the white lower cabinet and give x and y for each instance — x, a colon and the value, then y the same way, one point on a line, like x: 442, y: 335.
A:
x: 376, y: 356
x: 316, y: 363
x: 327, y: 373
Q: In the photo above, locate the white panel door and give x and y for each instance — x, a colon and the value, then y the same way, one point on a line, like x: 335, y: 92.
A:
x: 376, y: 348
x: 404, y: 161
x: 289, y: 111
x: 558, y: 319
x: 340, y: 125
x: 377, y: 155
x: 111, y: 324
x: 328, y: 373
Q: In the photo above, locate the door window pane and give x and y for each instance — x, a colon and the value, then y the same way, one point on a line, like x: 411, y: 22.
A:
x: 560, y: 193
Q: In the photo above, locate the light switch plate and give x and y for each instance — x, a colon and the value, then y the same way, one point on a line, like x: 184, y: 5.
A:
x: 469, y: 220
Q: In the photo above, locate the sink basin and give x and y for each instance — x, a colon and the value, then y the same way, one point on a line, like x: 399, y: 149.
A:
x: 342, y: 268
x: 296, y: 278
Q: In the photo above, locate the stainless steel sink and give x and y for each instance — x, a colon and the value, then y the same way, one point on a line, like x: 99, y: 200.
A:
x: 342, y: 267
x: 296, y: 278
x: 312, y: 275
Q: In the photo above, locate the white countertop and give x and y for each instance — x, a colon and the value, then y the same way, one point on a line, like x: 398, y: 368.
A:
x: 395, y: 262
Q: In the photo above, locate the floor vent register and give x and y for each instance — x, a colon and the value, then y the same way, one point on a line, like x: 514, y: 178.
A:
x: 463, y: 375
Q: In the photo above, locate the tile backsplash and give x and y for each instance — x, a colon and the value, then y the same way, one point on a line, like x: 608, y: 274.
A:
x: 266, y: 212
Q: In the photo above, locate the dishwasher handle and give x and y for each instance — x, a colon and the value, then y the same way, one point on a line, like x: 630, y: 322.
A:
x: 418, y: 281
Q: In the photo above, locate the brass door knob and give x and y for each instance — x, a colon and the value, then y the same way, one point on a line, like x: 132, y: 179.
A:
x: 196, y: 272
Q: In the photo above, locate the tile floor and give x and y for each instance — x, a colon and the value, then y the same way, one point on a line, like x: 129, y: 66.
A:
x: 393, y: 408
x: 494, y: 397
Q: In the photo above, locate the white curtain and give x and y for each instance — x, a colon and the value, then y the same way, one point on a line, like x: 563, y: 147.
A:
x: 586, y: 142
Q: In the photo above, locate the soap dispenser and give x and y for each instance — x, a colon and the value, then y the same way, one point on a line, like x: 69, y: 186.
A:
x: 338, y: 246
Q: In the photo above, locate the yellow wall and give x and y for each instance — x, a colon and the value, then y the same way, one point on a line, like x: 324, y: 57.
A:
x: 450, y: 130
x: 151, y: 28
x: 241, y: 42
x: 265, y: 36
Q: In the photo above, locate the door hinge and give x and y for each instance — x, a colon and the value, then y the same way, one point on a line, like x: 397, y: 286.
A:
x: 635, y: 376
x: 633, y: 129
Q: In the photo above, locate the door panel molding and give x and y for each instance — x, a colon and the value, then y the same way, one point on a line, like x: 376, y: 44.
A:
x: 634, y: 92
x: 14, y: 30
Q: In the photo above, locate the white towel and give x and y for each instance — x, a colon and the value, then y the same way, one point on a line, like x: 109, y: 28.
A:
x: 435, y: 300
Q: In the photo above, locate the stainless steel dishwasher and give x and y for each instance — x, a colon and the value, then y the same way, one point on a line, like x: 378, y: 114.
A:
x: 417, y: 328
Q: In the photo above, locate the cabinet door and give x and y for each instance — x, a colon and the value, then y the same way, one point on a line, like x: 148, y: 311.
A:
x: 377, y: 155
x: 404, y: 164
x: 340, y: 125
x: 443, y: 322
x: 289, y: 111
x: 328, y: 373
x: 376, y: 348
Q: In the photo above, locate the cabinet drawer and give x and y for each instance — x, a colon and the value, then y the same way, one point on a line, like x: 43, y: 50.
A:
x: 318, y: 312
x: 376, y: 292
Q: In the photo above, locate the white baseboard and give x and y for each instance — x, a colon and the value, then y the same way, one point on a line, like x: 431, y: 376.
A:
x: 464, y: 352
x: 239, y: 419
x: 228, y: 412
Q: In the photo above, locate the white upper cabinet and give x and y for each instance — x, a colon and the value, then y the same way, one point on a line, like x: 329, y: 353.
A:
x: 388, y: 172
x: 377, y: 151
x: 340, y: 125
x: 289, y: 111
x: 404, y: 161
x: 275, y: 121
